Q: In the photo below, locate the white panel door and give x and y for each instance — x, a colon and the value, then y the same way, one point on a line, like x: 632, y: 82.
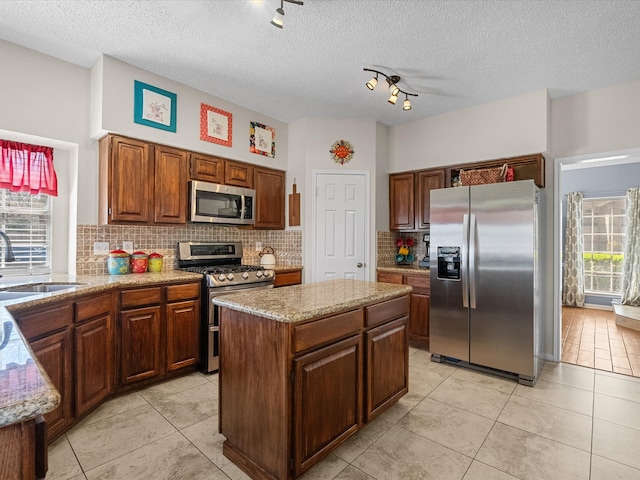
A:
x: 339, y: 229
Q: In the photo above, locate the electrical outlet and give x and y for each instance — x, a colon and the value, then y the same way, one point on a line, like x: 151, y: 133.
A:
x: 127, y: 246
x: 258, y: 246
x: 100, y: 248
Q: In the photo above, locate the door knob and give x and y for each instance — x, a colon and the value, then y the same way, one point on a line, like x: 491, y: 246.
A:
x: 359, y: 264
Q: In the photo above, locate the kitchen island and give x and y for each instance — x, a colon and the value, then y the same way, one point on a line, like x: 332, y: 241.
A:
x: 304, y: 367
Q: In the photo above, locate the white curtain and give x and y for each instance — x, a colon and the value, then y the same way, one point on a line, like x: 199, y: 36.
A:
x: 631, y: 263
x: 573, y: 276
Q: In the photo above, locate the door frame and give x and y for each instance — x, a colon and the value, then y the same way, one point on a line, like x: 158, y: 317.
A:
x: 368, y: 239
x: 602, y: 158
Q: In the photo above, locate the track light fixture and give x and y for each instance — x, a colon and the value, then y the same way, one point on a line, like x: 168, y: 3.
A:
x: 394, y: 90
x: 278, y: 18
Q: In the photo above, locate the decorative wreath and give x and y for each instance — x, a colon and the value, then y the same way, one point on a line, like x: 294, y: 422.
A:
x: 341, y: 152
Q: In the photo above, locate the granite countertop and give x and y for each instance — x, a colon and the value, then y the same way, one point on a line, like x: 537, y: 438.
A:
x: 298, y: 303
x: 25, y: 389
x: 396, y: 268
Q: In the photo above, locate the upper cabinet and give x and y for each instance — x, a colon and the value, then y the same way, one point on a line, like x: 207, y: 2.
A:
x: 141, y: 183
x: 206, y: 168
x: 270, y: 193
x: 410, y: 192
x: 409, y: 198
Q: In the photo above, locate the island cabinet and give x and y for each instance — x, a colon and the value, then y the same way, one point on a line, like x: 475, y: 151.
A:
x: 20, y: 460
x: 317, y: 382
x: 419, y: 316
x: 158, y: 331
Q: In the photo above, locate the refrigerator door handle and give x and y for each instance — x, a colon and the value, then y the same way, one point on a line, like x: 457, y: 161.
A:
x: 472, y: 261
x: 464, y: 270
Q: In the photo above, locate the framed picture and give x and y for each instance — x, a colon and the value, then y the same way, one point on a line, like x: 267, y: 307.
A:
x: 216, y: 125
x: 154, y: 107
x: 262, y: 139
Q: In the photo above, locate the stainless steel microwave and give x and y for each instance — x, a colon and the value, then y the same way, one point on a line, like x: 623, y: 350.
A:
x: 223, y: 204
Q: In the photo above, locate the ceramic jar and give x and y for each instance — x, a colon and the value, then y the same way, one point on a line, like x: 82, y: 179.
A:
x: 118, y: 262
x: 139, y: 262
x: 155, y: 262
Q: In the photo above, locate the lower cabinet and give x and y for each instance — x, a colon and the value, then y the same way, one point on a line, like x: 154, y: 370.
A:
x: 23, y: 455
x: 419, y: 316
x: 159, y: 330
x: 94, y: 355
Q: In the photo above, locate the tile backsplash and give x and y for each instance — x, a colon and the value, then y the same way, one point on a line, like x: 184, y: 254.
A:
x: 287, y: 244
x: 386, y: 248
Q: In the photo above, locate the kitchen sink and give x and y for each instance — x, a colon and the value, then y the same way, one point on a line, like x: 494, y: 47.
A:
x: 13, y: 295
x: 41, y: 288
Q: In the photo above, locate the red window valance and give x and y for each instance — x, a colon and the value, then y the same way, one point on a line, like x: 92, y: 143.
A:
x: 27, y: 168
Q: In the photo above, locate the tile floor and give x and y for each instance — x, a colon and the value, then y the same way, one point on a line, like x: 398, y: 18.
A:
x: 591, y: 338
x: 576, y: 423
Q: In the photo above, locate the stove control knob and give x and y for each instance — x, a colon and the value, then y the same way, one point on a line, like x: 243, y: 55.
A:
x: 258, y: 274
x: 245, y: 275
x: 222, y: 277
x: 229, y: 276
x: 268, y: 273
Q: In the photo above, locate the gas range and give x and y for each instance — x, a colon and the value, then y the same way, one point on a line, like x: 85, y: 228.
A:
x: 220, y: 264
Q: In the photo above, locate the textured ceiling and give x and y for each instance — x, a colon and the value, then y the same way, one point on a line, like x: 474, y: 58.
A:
x: 453, y: 54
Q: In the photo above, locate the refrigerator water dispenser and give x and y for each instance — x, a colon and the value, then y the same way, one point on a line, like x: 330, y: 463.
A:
x: 449, y: 263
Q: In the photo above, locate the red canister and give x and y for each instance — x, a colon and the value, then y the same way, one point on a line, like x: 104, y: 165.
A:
x: 139, y: 262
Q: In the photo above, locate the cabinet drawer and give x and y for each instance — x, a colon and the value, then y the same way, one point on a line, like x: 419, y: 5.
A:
x: 420, y: 283
x: 387, y: 277
x: 177, y: 293
x: 385, y: 311
x: 288, y: 278
x: 92, y: 307
x: 323, y: 331
x: 140, y: 297
x: 42, y: 322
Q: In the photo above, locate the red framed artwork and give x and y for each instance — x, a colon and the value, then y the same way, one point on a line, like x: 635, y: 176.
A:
x: 216, y: 125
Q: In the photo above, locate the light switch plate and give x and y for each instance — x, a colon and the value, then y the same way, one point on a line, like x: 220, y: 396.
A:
x: 100, y: 248
x: 127, y: 247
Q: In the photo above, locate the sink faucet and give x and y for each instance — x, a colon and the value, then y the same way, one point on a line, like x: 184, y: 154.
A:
x: 8, y: 254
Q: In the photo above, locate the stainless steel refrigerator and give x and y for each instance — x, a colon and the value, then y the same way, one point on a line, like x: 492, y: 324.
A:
x: 486, y: 266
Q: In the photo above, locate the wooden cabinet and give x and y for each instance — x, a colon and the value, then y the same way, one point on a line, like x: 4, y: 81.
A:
x: 238, y: 174
x: 183, y: 326
x: 324, y: 417
x: 158, y: 331
x: 409, y: 198
x: 23, y: 455
x: 426, y: 181
x: 206, y: 168
x: 284, y: 279
x: 401, y: 201
x: 139, y: 334
x: 49, y: 334
x: 317, y: 383
x: 141, y: 183
x: 170, y: 181
x: 419, y: 314
x: 125, y: 191
x: 270, y: 197
x: 94, y: 355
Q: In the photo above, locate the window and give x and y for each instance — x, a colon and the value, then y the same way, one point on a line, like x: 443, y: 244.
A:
x: 603, y: 222
x: 26, y: 219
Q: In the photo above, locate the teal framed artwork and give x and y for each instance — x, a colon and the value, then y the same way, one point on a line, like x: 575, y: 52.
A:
x: 154, y: 107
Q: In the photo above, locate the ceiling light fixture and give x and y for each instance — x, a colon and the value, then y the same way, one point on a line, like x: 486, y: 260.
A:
x: 394, y: 90
x: 278, y: 18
